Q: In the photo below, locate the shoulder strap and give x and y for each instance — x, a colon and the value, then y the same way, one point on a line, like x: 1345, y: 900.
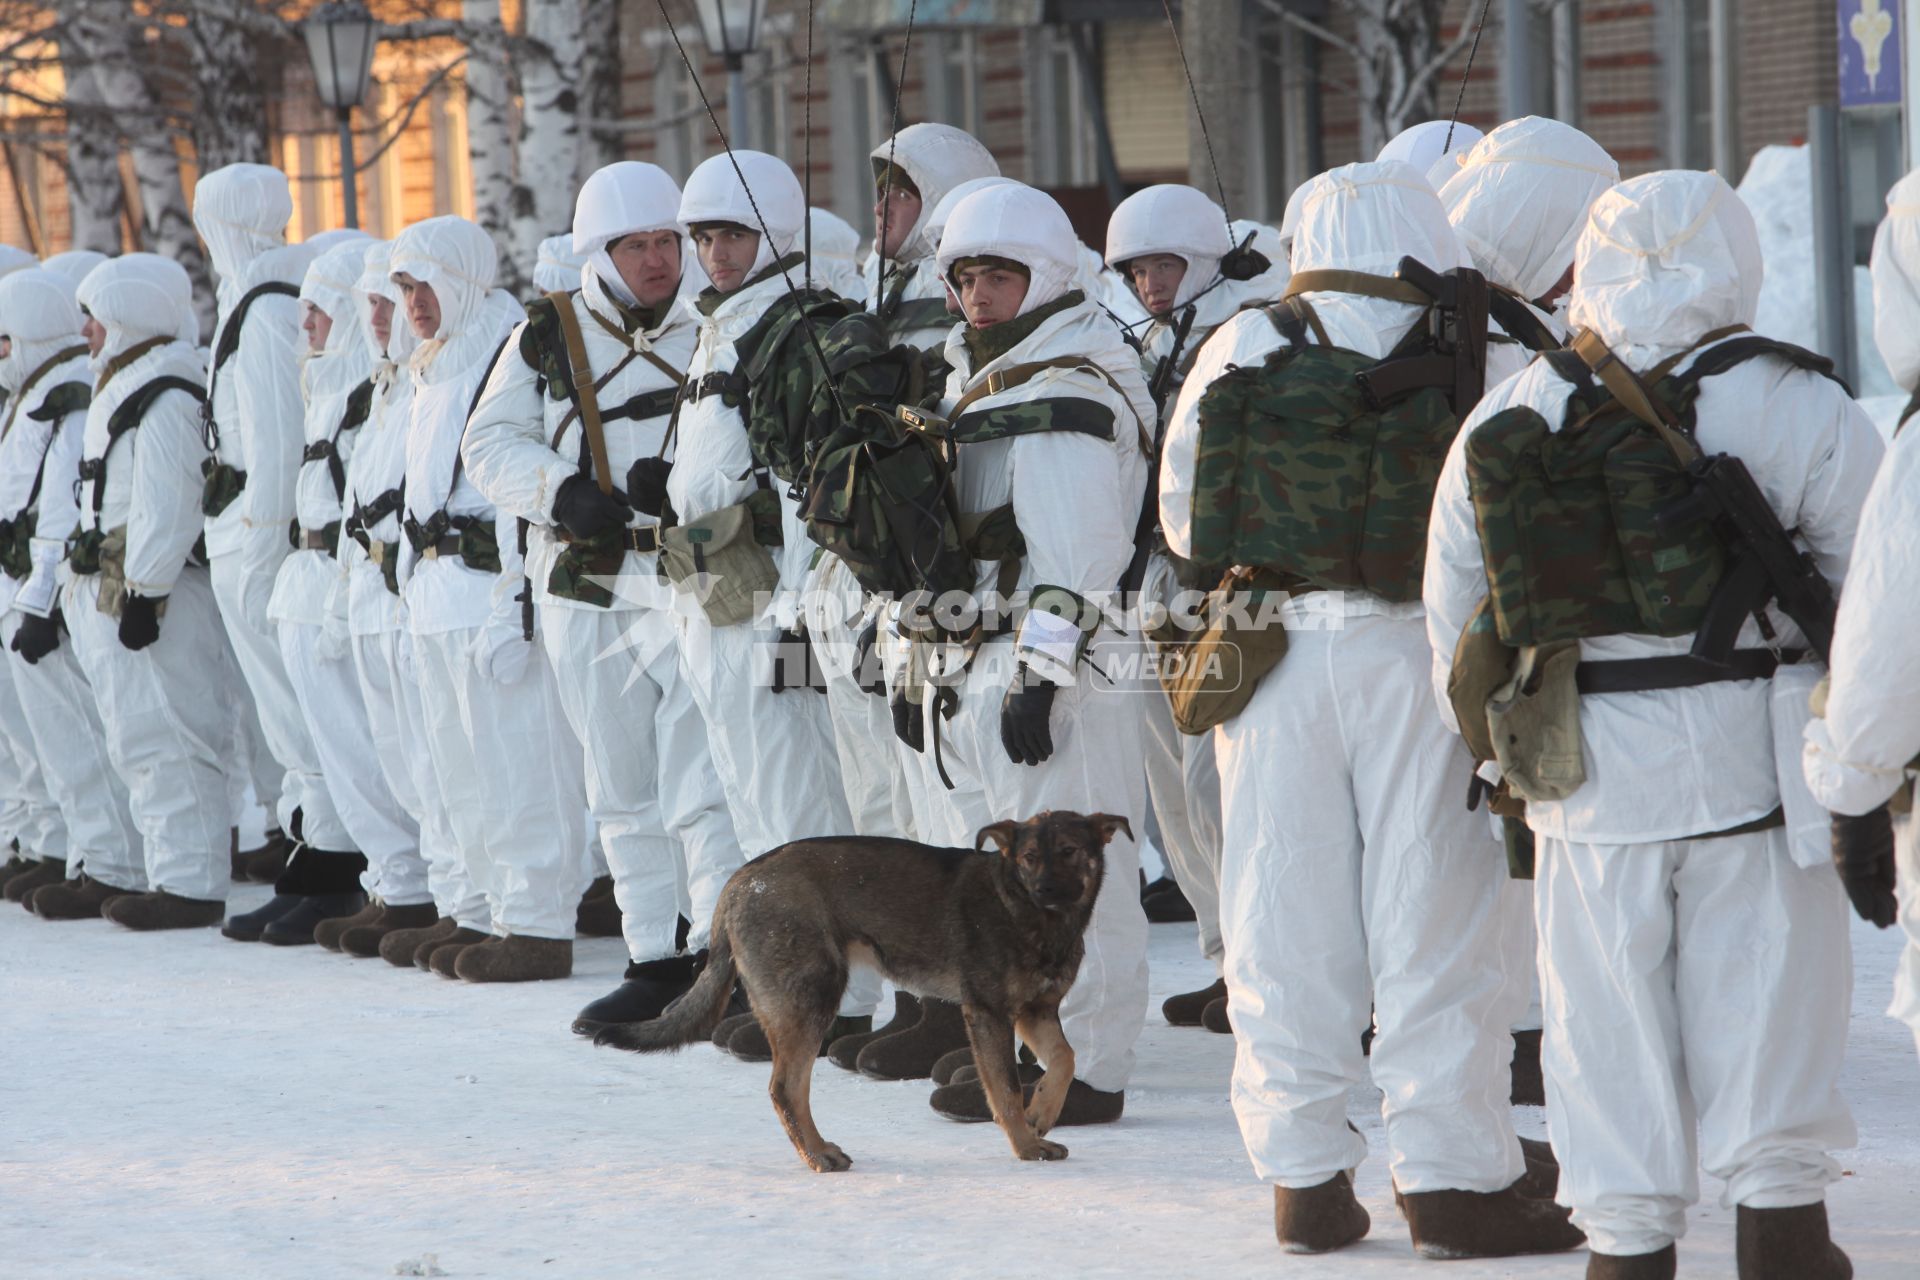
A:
x: 1519, y: 321
x: 1626, y: 387
x: 1293, y: 316
x: 581, y: 375
x: 229, y: 341
x: 52, y: 405
x: 127, y: 416
x: 1359, y: 283
x: 1737, y: 351
x: 1020, y: 374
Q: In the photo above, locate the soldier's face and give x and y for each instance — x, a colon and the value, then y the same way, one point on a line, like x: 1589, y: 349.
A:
x: 726, y: 255
x: 989, y: 294
x: 94, y: 332
x: 649, y: 263
x: 318, y: 326
x: 894, y: 212
x: 380, y: 320
x: 423, y: 307
x: 1156, y: 278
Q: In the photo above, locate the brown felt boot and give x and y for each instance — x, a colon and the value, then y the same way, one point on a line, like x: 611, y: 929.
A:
x: 398, y: 947
x: 1185, y: 1010
x: 1214, y: 1018
x: 41, y: 874
x: 749, y: 1043
x: 16, y: 865
x: 598, y: 915
x: 365, y: 940
x: 950, y: 1063
x: 845, y: 1051
x: 729, y: 1025
x: 517, y: 958
x: 440, y: 957
x: 1542, y: 1178
x: 327, y: 932
x: 79, y: 899
x: 1025, y: 1072
x: 910, y: 1054
x: 269, y: 862
x: 1787, y: 1244
x: 964, y: 1100
x: 1319, y: 1219
x: 1661, y: 1264
x: 1486, y: 1224
x: 145, y: 912
x: 1529, y: 1087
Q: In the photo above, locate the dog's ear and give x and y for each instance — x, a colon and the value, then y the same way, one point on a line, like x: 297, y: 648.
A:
x: 1108, y: 823
x: 1001, y: 833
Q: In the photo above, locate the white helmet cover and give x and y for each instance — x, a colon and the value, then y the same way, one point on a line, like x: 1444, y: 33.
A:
x: 714, y: 193
x: 1021, y: 224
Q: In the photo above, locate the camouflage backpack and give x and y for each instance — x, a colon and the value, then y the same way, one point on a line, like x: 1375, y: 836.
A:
x: 1585, y: 531
x: 1320, y: 463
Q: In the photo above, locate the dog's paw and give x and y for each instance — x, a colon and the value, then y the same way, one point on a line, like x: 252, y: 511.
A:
x: 1044, y: 1150
x: 829, y: 1159
x: 1037, y: 1122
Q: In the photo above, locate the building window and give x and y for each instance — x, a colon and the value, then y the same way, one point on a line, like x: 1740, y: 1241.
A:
x: 1702, y: 132
x: 1063, y: 146
x: 681, y: 136
x: 953, y: 79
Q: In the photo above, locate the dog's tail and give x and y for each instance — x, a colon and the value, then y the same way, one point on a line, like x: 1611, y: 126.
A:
x: 690, y: 1018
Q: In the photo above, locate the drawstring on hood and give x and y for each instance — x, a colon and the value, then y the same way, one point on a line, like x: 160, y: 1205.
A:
x: 457, y: 260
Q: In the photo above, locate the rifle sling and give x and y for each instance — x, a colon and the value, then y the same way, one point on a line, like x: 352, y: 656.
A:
x: 582, y: 376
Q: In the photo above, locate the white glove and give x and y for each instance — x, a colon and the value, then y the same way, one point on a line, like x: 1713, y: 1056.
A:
x: 260, y: 559
x: 403, y: 655
x: 500, y: 652
x: 332, y: 643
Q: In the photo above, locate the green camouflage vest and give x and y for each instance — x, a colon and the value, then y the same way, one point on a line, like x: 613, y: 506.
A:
x: 1580, y: 528
x: 1299, y: 472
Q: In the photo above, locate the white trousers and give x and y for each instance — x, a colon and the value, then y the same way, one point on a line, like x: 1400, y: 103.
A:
x: 1692, y: 984
x: 29, y: 812
x: 71, y: 745
x: 1096, y: 767
x: 168, y: 730
x: 1354, y: 876
x: 651, y: 784
x: 863, y: 738
x: 330, y: 697
x: 396, y: 724
x: 256, y: 647
x: 1183, y: 783
x: 510, y: 771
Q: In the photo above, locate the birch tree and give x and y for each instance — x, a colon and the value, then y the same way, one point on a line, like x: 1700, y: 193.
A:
x: 229, y: 123
x: 489, y: 87
x: 96, y: 197
x: 549, y: 151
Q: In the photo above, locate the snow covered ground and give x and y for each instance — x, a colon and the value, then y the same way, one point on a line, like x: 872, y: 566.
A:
x: 185, y: 1107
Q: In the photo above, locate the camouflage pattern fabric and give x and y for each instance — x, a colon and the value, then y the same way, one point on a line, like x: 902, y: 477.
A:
x: 222, y: 487
x: 1571, y: 526
x: 583, y: 568
x: 1296, y: 473
x: 16, y: 555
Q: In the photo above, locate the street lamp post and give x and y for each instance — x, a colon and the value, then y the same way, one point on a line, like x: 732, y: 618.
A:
x: 732, y: 30
x: 340, y: 36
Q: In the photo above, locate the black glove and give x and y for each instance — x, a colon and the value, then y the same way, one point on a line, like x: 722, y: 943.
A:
x: 584, y: 510
x: 37, y: 636
x: 647, y: 485
x: 794, y: 666
x: 140, y: 621
x: 908, y: 726
x: 1863, y: 855
x: 1026, y: 718
x: 871, y: 678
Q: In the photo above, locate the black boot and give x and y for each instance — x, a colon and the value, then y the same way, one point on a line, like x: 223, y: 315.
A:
x: 1661, y: 1264
x: 249, y: 925
x: 295, y: 928
x: 648, y: 988
x: 1319, y: 1219
x: 1787, y: 1244
x: 845, y: 1051
x: 1214, y: 1018
x: 1529, y: 1086
x: 966, y: 1101
x: 598, y: 915
x: 1542, y: 1178
x: 910, y: 1055
x: 1165, y: 904
x: 1186, y: 1010
x: 749, y: 1043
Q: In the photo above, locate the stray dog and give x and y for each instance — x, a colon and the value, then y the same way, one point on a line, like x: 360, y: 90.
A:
x: 1001, y: 935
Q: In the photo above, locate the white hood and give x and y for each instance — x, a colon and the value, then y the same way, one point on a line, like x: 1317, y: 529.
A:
x: 1021, y: 224
x: 618, y: 200
x: 1520, y: 200
x: 74, y: 264
x: 330, y: 278
x: 714, y: 194
x: 1665, y: 259
x: 557, y: 267
x: 1896, y: 283
x: 938, y: 158
x: 241, y: 211
x: 836, y: 254
x: 40, y: 317
x: 376, y: 281
x: 458, y: 260
x: 135, y: 297
x: 1174, y: 219
x: 320, y: 242
x: 12, y: 259
x: 1426, y: 148
x: 348, y: 357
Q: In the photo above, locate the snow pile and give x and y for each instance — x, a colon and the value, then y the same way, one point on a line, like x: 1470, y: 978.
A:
x: 1778, y: 189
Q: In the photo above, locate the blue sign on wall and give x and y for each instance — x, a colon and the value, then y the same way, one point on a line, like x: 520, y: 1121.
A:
x: 1870, y: 59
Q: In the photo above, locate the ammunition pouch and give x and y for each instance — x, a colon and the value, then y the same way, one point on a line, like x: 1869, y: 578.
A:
x: 1534, y: 722
x: 16, y: 551
x: 472, y: 539
x: 113, y: 572
x: 83, y: 552
x: 722, y: 560
x: 224, y: 484
x: 585, y: 568
x: 1211, y: 675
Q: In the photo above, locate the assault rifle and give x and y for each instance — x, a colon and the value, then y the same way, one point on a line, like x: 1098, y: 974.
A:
x: 1456, y: 356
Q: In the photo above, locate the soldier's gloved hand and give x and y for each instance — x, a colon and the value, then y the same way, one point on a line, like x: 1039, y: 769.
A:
x: 868, y: 671
x: 908, y: 725
x: 140, y: 621
x: 1026, y: 718
x: 794, y: 666
x: 584, y: 511
x: 1863, y: 855
x: 647, y: 485
x: 37, y: 636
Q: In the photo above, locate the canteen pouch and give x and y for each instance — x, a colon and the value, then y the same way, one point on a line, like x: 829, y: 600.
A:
x: 1534, y: 721
x: 1482, y: 663
x: 719, y: 561
x: 480, y: 546
x: 223, y: 484
x: 113, y: 575
x: 582, y: 570
x: 1210, y: 680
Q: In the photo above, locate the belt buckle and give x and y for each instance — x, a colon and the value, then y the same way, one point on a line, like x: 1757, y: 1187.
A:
x: 646, y: 539
x: 996, y: 382
x: 377, y: 552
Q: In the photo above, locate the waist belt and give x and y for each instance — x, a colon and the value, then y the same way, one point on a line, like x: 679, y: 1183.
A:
x: 1680, y: 671
x: 449, y: 547
x: 327, y: 539
x: 730, y: 387
x: 644, y: 539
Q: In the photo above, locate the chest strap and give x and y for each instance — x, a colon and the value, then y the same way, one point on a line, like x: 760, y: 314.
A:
x: 126, y: 417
